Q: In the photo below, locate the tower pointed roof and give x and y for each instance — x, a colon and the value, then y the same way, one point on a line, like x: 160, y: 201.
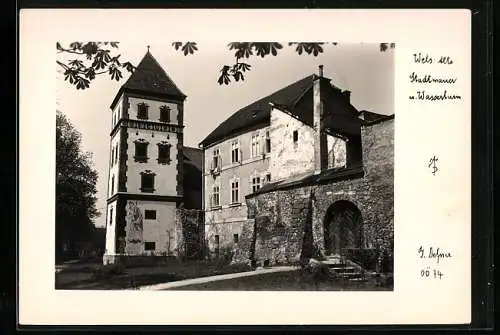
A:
x: 150, y: 78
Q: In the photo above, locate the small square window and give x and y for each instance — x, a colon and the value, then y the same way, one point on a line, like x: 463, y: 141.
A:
x: 149, y: 246
x: 235, y: 238
x: 150, y: 214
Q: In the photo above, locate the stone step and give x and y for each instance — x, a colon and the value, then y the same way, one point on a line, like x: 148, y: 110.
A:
x: 344, y: 269
x: 358, y: 279
x: 350, y: 275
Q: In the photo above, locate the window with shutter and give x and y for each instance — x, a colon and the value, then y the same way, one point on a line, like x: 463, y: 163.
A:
x: 164, y: 152
x: 147, y: 181
x: 142, y: 111
x: 165, y: 113
x: 141, y: 151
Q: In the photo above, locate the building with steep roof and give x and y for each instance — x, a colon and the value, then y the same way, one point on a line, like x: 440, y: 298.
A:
x: 151, y: 172
x: 295, y: 134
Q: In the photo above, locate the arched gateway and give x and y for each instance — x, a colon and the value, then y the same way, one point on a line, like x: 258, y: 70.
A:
x: 343, y: 227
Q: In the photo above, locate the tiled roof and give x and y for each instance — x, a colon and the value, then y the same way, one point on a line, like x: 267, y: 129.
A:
x: 259, y: 111
x: 149, y: 77
x: 297, y: 100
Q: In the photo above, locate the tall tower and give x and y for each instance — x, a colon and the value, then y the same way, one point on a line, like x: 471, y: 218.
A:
x: 145, y: 182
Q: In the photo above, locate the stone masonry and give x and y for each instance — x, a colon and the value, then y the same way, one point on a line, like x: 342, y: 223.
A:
x: 276, y: 230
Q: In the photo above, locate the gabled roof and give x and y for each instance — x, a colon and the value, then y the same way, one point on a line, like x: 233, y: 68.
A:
x: 150, y: 78
x: 295, y: 99
x: 259, y: 111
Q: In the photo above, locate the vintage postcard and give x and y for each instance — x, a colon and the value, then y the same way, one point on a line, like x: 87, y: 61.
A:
x: 318, y: 175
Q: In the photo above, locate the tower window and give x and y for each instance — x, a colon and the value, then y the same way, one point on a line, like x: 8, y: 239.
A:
x: 111, y: 216
x: 150, y: 214
x: 147, y: 181
x: 112, y: 185
x: 164, y: 114
x: 116, y: 154
x: 295, y: 136
x: 164, y: 153
x: 149, y: 246
x: 142, y: 111
x: 141, y: 151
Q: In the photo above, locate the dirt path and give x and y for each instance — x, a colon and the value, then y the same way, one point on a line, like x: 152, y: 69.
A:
x: 202, y: 280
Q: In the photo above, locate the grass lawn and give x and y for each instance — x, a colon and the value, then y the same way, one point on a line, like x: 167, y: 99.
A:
x: 285, y: 281
x: 95, y: 276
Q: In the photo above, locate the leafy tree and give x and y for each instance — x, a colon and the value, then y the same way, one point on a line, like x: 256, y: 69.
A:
x: 75, y: 189
x: 95, y: 58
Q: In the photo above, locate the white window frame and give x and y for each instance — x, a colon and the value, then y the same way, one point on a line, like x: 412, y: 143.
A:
x: 264, y: 178
x: 267, y: 137
x: 255, y: 149
x: 235, y: 145
x: 216, y: 158
x: 231, y: 186
x: 253, y: 184
x: 212, y: 200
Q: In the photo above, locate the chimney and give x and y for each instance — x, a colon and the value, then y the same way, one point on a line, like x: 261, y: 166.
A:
x: 347, y: 95
x: 320, y: 140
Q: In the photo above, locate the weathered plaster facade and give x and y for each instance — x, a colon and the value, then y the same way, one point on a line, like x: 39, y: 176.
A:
x: 278, y: 226
x: 292, y: 158
x: 225, y: 220
x: 142, y: 220
x: 326, y: 192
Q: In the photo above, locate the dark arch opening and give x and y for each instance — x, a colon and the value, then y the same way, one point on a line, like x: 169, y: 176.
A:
x: 343, y: 228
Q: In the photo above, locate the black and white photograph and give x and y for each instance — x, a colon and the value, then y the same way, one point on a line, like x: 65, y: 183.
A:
x: 170, y: 174
x: 237, y: 166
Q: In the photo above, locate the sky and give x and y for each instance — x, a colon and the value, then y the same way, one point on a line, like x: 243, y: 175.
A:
x: 360, y: 68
